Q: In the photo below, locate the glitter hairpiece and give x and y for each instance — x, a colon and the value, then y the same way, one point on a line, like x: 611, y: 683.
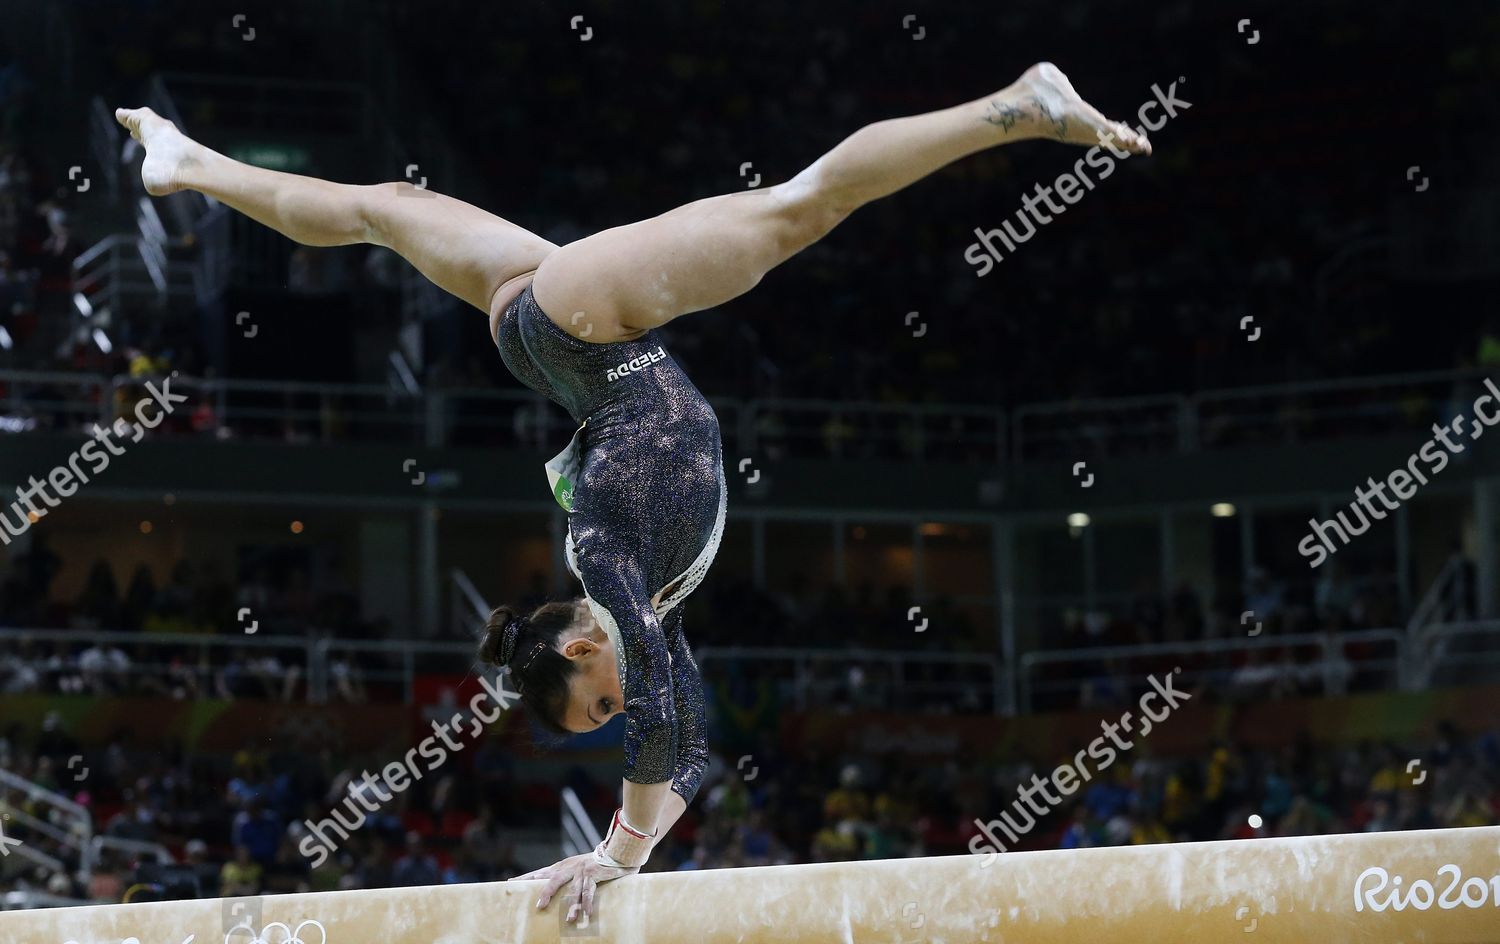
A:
x: 534, y: 653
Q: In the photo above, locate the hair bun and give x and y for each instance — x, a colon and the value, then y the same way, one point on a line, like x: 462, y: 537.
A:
x: 510, y: 634
x: 502, y: 632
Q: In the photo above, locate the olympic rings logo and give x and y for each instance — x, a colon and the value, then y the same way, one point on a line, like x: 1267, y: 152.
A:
x: 289, y: 936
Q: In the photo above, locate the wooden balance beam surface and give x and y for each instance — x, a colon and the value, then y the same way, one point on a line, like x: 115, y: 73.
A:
x: 1434, y: 886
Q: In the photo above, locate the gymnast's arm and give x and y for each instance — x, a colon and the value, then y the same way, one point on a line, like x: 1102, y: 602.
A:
x: 650, y: 712
x: 692, y: 726
x: 692, y: 710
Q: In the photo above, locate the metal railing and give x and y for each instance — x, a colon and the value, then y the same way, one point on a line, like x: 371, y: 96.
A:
x: 78, y: 834
x: 870, y: 678
x: 894, y: 677
x: 1387, y: 659
x: 111, y: 271
x: 1103, y: 427
x: 579, y: 835
x: 276, y: 410
x: 384, y: 662
x: 1106, y: 666
x: 26, y: 900
x: 104, y: 140
x: 1460, y: 653
x: 856, y: 429
x: 136, y: 847
x: 179, y: 658
x: 467, y: 607
x: 1445, y: 601
x: 1327, y: 409
x: 1237, y: 416
x: 312, y: 660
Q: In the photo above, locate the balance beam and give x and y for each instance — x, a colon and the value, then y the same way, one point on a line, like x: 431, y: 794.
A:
x: 1435, y: 886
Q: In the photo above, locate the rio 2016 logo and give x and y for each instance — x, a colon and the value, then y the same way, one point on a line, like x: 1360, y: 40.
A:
x: 1421, y: 895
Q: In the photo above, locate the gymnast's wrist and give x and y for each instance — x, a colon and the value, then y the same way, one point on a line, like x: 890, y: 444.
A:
x: 625, y: 847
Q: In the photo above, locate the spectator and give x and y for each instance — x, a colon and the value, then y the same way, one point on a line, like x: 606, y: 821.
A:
x: 240, y: 878
x: 416, y: 867
x: 258, y: 830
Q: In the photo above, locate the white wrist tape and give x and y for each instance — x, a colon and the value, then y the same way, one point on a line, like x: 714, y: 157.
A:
x: 625, y: 847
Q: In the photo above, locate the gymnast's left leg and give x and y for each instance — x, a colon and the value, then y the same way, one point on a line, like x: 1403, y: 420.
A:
x: 477, y: 256
x: 640, y: 276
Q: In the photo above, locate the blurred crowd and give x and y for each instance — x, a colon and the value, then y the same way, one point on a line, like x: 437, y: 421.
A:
x: 1322, y: 613
x: 843, y: 808
x: 232, y: 825
x: 36, y: 241
x: 1141, y: 292
x: 195, y: 599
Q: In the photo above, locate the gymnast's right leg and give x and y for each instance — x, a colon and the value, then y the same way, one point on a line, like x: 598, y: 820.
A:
x: 463, y: 249
x: 632, y: 278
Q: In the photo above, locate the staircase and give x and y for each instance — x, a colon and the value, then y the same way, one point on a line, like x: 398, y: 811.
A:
x: 65, y: 830
x: 1447, y: 645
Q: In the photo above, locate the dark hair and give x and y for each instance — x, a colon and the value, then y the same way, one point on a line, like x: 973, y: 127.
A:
x: 528, y: 646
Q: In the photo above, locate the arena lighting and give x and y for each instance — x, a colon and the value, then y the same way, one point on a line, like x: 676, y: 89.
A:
x: 102, y: 340
x: 5, y: 340
x: 1222, y: 510
x: 1079, y: 520
x: 81, y: 302
x: 1433, y: 885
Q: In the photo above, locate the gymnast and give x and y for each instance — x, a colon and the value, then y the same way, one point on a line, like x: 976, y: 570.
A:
x: 642, y: 479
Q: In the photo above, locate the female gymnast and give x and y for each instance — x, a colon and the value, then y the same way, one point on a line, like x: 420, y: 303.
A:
x: 642, y: 479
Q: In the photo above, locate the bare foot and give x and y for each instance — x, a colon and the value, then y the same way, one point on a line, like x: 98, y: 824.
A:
x: 1044, y: 97
x: 168, y: 151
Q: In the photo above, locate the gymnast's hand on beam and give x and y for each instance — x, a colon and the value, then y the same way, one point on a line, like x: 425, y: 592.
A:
x: 584, y: 872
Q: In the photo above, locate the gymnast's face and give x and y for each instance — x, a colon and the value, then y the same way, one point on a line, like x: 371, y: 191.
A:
x: 595, y: 694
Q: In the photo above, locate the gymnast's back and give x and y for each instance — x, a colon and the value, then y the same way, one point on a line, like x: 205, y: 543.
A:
x: 649, y: 467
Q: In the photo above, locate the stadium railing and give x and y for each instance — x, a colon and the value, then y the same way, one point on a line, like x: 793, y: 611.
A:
x: 871, y: 678
x: 68, y: 824
x: 30, y: 899
x: 579, y: 834
x: 1332, y: 663
x: 1212, y: 419
x: 1383, y: 664
x: 1457, y: 653
x: 1281, y: 414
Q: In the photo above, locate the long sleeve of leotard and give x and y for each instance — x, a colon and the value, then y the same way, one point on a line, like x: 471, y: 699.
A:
x: 613, y: 582
x: 687, y: 697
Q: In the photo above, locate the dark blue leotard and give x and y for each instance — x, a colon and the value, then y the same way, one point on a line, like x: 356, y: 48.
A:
x: 643, y: 482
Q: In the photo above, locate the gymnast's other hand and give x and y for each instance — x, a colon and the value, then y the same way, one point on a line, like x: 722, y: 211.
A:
x: 584, y: 872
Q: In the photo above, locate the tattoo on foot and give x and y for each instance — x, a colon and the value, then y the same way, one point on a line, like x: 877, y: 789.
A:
x: 1005, y: 116
x: 1060, y: 122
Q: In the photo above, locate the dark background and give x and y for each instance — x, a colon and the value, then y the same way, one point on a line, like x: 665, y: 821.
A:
x: 1284, y: 194
x: 1295, y: 150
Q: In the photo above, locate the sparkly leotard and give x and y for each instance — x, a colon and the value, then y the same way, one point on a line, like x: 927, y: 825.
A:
x: 643, y: 483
